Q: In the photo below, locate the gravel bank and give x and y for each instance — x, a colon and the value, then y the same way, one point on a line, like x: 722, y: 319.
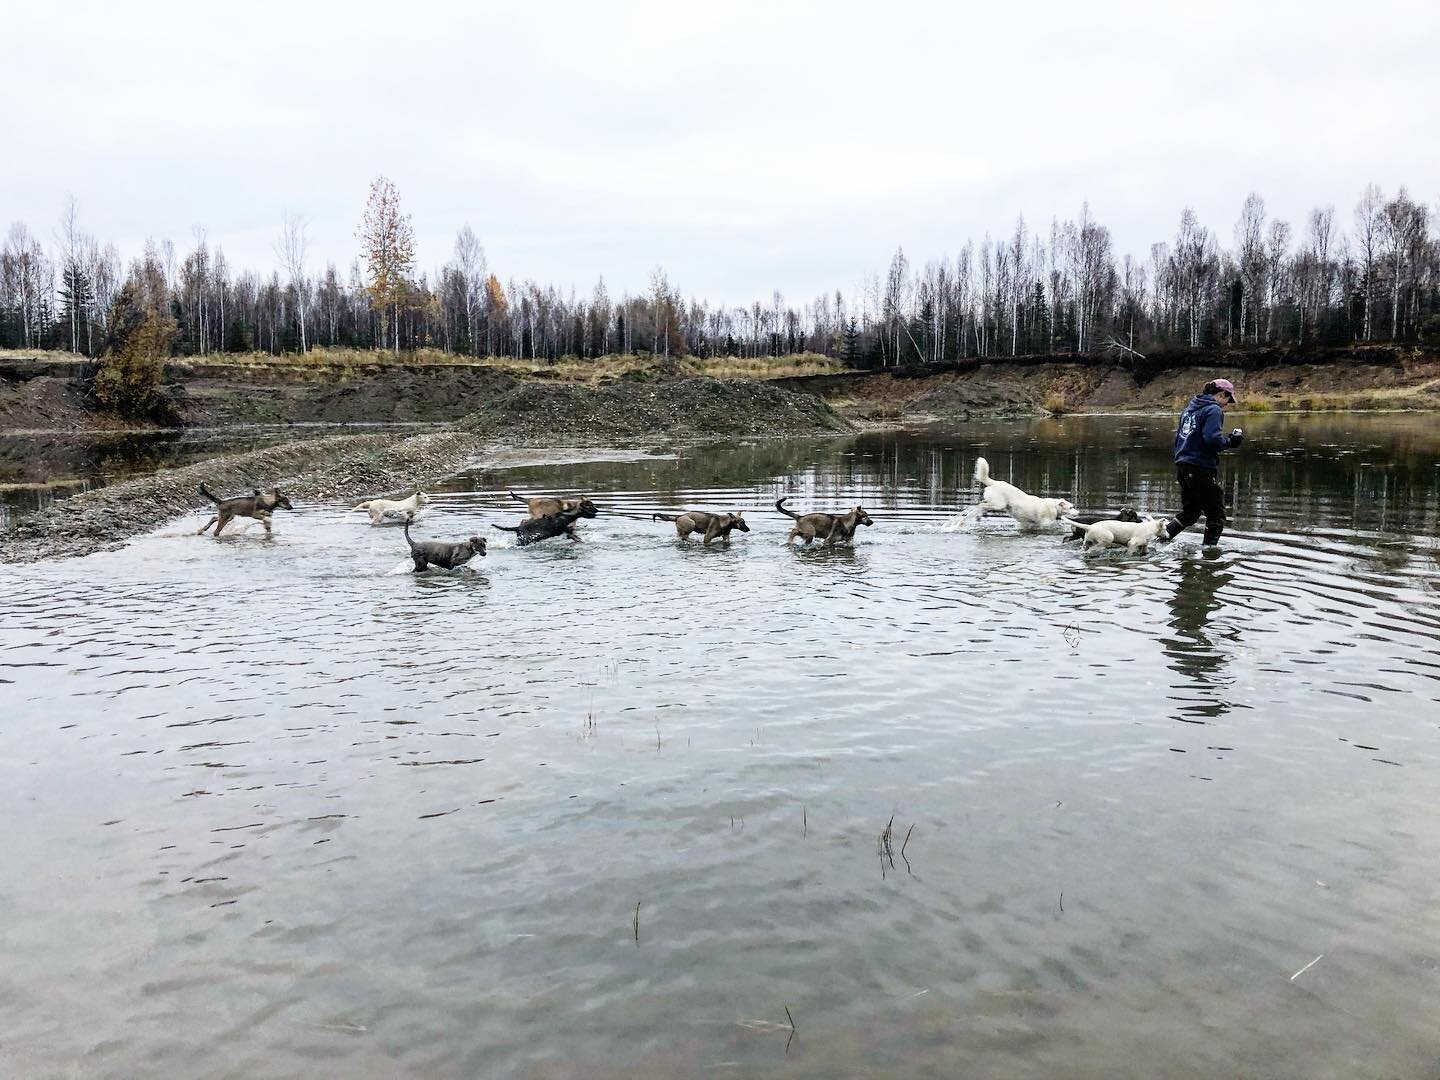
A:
x: 630, y: 407
x: 326, y: 468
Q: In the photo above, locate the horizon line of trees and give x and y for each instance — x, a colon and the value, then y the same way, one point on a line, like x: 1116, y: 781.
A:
x: 1023, y: 294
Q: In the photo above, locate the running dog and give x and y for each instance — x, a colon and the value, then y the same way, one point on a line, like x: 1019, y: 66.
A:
x: 380, y: 509
x: 1125, y: 513
x: 712, y: 525
x: 254, y: 505
x: 439, y: 553
x: 832, y: 527
x: 540, y: 505
x: 533, y: 530
x: 1030, y: 511
x: 1135, y: 535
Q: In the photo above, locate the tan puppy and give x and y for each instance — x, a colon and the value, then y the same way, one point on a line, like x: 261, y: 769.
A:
x: 833, y: 527
x: 712, y: 525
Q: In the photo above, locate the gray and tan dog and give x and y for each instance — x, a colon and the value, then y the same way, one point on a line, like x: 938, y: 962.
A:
x: 833, y: 527
x: 701, y: 521
x: 254, y: 505
x: 542, y: 505
x: 441, y: 553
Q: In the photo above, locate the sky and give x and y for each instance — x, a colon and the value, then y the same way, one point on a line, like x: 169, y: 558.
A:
x: 743, y: 147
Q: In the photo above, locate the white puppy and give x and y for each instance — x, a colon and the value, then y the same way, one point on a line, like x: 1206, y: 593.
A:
x: 1031, y: 511
x: 1135, y: 535
x: 380, y: 509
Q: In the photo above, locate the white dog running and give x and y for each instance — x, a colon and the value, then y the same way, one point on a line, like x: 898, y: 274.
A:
x: 380, y: 509
x: 1135, y: 535
x: 1031, y: 511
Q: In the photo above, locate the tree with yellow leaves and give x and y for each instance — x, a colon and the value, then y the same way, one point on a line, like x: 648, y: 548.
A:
x: 389, y: 249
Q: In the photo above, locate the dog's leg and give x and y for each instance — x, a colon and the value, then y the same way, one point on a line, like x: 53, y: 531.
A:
x: 224, y: 520
x: 265, y: 520
x: 207, y: 525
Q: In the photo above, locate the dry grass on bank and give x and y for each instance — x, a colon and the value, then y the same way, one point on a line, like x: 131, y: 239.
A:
x: 566, y: 369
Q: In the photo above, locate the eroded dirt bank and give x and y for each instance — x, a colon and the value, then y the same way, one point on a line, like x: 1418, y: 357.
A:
x: 1379, y: 378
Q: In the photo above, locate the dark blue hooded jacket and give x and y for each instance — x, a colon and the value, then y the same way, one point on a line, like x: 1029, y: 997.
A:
x: 1199, y: 440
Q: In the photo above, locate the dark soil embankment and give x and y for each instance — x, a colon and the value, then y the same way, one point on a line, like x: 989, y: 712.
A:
x: 214, y: 395
x: 1369, y: 378
x: 635, y: 408
x: 328, y: 468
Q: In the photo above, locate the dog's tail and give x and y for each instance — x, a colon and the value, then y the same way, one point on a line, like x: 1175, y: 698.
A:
x: 206, y: 492
x: 1076, y: 524
x: 982, y: 471
x: 505, y: 528
x: 408, y: 519
x: 362, y: 506
x: 663, y: 517
x: 780, y: 505
x: 519, y: 498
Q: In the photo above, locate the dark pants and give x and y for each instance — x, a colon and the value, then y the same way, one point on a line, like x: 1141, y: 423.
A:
x: 1200, y: 493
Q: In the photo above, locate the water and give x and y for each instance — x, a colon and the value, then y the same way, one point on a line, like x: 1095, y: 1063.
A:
x: 275, y: 810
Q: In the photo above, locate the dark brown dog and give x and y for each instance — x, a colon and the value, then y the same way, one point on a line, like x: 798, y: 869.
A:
x: 833, y: 527
x: 255, y: 506
x: 1125, y: 513
x: 712, y: 525
x: 533, y: 530
x: 541, y: 505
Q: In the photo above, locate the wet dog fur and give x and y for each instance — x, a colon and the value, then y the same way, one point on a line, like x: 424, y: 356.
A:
x: 541, y: 505
x: 380, y: 509
x: 833, y: 527
x: 1030, y: 511
x: 1135, y: 535
x: 439, y: 553
x: 254, y: 505
x: 533, y: 530
x: 1125, y: 513
x: 701, y: 521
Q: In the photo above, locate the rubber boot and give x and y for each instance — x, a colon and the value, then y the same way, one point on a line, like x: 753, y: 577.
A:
x: 1212, y: 533
x: 1173, y: 528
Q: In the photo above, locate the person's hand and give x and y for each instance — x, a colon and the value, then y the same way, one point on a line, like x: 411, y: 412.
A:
x: 1236, y: 437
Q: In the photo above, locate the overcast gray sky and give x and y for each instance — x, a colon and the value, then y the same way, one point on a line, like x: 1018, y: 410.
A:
x: 743, y: 146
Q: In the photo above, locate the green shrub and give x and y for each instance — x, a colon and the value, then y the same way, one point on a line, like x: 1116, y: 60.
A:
x: 131, y: 370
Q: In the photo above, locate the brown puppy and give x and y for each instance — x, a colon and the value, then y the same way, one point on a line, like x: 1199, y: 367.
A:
x: 255, y: 506
x: 545, y: 505
x: 712, y: 525
x: 832, y: 527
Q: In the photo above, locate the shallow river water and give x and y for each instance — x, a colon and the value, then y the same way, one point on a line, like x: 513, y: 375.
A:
x: 283, y: 809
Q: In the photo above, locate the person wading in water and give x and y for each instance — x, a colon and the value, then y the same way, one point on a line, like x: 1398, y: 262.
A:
x: 1198, y: 442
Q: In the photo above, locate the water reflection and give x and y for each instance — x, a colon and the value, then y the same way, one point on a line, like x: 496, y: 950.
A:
x: 249, y: 795
x: 1193, y: 649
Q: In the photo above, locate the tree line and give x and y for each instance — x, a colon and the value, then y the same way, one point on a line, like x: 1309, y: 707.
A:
x: 1028, y: 292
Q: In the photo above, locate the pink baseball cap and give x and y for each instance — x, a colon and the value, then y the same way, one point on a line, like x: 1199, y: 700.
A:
x: 1226, y: 385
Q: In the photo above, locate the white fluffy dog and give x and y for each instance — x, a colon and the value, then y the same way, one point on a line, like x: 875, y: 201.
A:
x: 380, y: 509
x: 1030, y: 511
x: 1135, y: 535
